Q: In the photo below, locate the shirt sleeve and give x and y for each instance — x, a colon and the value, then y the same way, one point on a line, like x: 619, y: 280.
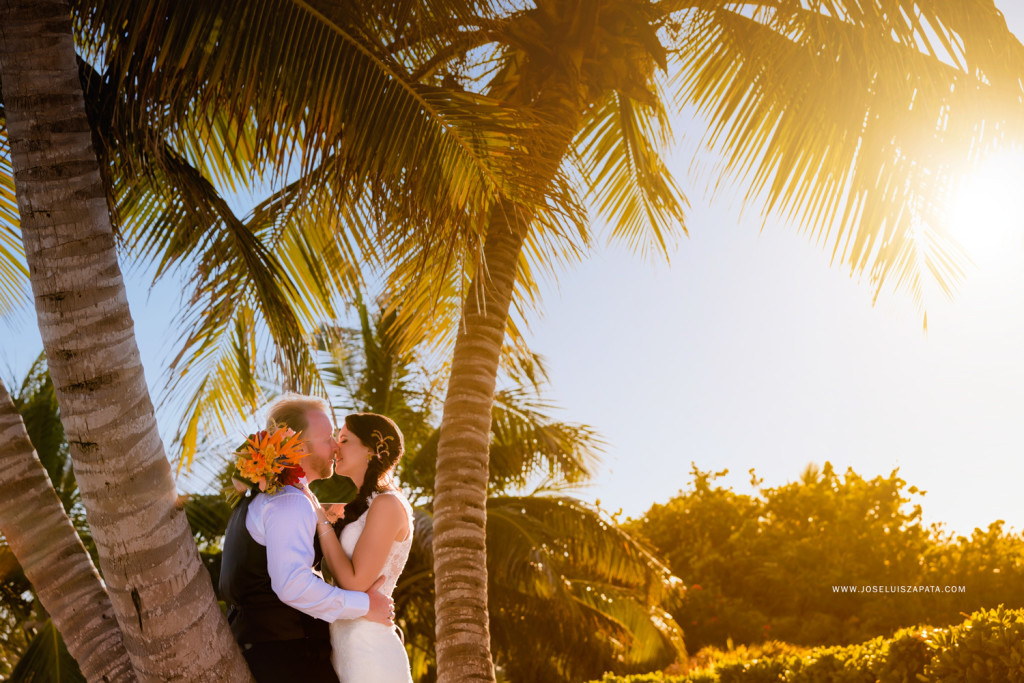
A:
x: 289, y: 523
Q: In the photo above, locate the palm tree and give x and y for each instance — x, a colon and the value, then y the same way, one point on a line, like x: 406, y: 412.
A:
x: 162, y: 599
x: 172, y: 132
x: 573, y: 595
x: 845, y: 116
x: 752, y: 110
x: 153, y: 574
x: 34, y: 520
x: 45, y: 655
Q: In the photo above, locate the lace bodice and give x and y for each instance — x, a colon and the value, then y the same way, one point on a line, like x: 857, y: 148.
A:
x: 399, y: 553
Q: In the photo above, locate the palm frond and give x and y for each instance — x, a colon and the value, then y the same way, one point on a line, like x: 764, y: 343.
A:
x: 36, y: 401
x: 526, y: 442
x: 214, y: 385
x: 572, y: 595
x: 261, y: 287
x: 591, y: 597
x: 653, y: 633
x: 626, y: 177
x: 557, y: 240
x: 845, y: 121
x: 47, y: 659
x: 370, y: 369
x: 13, y: 272
x: 431, y: 33
x: 428, y: 309
x: 207, y: 517
x: 309, y: 85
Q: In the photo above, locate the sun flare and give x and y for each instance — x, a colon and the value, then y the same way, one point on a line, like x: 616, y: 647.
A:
x: 987, y: 214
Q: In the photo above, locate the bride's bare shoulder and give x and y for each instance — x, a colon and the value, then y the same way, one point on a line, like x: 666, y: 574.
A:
x: 388, y: 499
x: 390, y: 510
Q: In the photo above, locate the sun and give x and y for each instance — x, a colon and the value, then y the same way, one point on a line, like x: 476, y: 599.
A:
x: 987, y: 213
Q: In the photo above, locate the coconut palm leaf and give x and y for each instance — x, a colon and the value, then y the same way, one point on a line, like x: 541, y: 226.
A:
x: 606, y: 588
x: 207, y: 516
x: 47, y: 660
x: 13, y: 274
x: 428, y: 310
x: 246, y: 292
x: 374, y: 370
x: 526, y: 444
x: 844, y: 120
x: 161, y: 163
x: 633, y: 190
x: 588, y: 596
x: 259, y: 290
x: 36, y: 401
x: 289, y: 262
x: 309, y: 80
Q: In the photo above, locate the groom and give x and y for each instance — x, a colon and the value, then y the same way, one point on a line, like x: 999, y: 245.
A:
x: 279, y: 608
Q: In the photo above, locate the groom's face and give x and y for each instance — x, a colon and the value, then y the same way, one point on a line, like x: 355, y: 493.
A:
x: 320, y: 445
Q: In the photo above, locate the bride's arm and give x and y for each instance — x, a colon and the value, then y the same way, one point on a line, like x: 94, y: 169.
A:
x: 386, y: 521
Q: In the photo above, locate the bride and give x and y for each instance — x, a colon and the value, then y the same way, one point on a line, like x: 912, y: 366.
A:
x: 376, y: 535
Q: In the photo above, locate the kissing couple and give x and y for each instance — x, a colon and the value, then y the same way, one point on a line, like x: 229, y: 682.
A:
x: 290, y: 623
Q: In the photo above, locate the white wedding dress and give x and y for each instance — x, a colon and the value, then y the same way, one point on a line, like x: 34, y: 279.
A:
x: 363, y: 650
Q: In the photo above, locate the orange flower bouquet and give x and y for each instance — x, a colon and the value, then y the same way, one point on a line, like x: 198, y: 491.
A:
x: 270, y: 459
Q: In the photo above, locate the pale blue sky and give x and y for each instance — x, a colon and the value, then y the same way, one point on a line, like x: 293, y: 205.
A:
x: 749, y: 350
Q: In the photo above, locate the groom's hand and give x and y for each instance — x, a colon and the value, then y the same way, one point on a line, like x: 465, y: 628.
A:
x: 382, y: 608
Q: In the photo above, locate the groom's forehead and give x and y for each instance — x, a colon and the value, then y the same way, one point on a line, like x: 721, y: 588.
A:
x: 318, y: 420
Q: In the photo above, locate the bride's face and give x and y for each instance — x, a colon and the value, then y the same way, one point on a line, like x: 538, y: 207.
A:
x: 350, y: 460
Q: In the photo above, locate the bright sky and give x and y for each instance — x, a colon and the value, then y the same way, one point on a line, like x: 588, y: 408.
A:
x: 750, y: 351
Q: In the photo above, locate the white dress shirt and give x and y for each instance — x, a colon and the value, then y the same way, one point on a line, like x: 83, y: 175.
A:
x: 285, y: 523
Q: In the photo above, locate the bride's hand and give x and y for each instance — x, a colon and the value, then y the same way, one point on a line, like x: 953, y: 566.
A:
x: 334, y: 511
x: 316, y: 503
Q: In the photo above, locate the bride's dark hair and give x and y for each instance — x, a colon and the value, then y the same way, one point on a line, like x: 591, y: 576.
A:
x: 381, y: 435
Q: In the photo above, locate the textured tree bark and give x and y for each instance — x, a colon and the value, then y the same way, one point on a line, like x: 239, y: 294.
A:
x: 159, y: 589
x: 52, y: 555
x: 460, y: 518
x: 460, y: 504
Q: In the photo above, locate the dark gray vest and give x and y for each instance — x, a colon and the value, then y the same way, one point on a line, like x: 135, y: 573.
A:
x: 255, y: 612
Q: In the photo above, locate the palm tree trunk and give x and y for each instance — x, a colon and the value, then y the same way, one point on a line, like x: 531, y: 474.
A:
x: 160, y: 591
x: 460, y: 504
x: 53, y: 557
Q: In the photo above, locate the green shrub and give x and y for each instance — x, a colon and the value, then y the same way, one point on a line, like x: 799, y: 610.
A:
x: 656, y: 677
x: 846, y: 664
x: 904, y: 656
x: 762, y: 670
x: 987, y: 646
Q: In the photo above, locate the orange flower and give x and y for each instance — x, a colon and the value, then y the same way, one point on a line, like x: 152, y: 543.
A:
x: 270, y: 459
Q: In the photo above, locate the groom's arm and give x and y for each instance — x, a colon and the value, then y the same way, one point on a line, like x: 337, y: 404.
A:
x: 288, y: 525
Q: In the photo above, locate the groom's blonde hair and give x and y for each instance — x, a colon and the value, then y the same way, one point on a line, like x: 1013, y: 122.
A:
x: 292, y: 411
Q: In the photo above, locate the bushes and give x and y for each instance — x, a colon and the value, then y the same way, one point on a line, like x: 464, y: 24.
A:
x: 905, y: 655
x: 987, y: 646
x: 766, y: 564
